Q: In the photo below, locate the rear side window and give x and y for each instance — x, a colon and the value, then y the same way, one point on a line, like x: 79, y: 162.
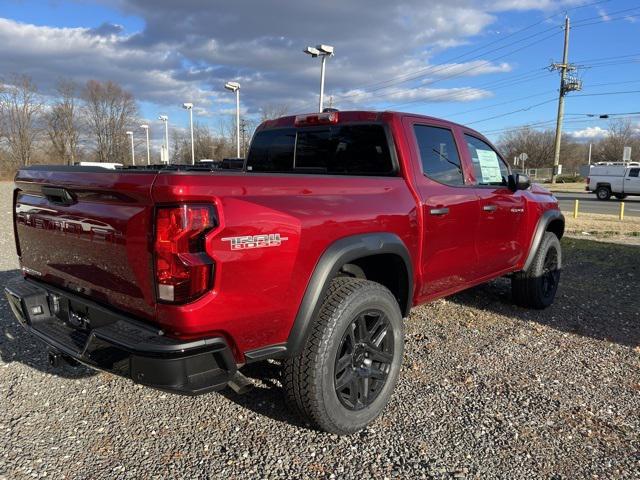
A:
x: 489, y: 168
x: 634, y: 172
x: 336, y: 150
x: 272, y: 150
x: 439, y: 155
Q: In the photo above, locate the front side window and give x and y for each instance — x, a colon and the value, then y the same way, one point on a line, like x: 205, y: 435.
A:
x: 489, y: 168
x: 439, y: 155
x: 634, y: 172
x: 332, y: 150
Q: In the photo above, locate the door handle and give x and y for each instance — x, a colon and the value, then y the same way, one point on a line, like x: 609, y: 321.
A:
x: 439, y: 211
x: 489, y: 208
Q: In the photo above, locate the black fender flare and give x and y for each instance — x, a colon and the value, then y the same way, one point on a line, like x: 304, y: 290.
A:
x: 340, y: 252
x: 544, y: 221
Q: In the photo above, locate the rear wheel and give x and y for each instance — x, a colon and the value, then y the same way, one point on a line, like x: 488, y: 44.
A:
x: 620, y: 196
x: 603, y: 193
x: 536, y: 287
x: 348, y: 368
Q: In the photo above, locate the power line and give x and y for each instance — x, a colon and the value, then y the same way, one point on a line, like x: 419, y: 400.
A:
x: 606, y: 93
x: 485, y: 107
x: 430, y: 69
x: 606, y: 14
x: 514, y: 111
x: 603, y: 115
x: 524, y: 109
x: 549, y: 123
x: 482, y: 64
x: 607, y: 58
x: 461, y: 95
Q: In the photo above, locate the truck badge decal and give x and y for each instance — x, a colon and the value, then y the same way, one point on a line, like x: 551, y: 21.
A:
x: 255, y: 241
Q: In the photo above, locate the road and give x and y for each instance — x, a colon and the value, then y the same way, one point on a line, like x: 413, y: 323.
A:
x: 590, y: 204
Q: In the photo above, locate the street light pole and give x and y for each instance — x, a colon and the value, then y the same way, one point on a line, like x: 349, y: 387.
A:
x: 238, y: 123
x: 133, y: 152
x: 322, y: 68
x: 165, y: 119
x: 146, y: 129
x: 322, y: 51
x: 189, y: 106
x: 235, y: 87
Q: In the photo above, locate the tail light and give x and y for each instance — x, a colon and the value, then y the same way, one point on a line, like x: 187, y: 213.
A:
x: 588, y: 180
x: 183, y: 269
x: 326, y: 118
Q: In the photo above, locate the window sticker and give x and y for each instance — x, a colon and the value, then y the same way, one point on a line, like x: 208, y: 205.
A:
x: 489, y: 166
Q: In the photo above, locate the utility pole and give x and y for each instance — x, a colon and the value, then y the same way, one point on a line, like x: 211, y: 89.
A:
x: 568, y: 83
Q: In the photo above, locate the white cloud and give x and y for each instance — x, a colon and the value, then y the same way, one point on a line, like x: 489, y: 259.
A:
x: 603, y: 14
x: 188, y: 49
x: 589, y: 133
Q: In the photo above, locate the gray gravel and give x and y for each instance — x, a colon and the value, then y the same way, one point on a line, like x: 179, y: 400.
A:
x: 487, y: 390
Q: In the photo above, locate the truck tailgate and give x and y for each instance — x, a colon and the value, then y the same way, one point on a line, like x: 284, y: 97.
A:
x: 88, y: 231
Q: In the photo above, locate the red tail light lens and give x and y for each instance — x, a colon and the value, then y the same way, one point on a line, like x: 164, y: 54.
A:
x: 183, y: 269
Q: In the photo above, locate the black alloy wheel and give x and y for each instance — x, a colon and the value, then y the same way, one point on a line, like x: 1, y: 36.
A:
x: 550, y: 273
x: 363, y: 360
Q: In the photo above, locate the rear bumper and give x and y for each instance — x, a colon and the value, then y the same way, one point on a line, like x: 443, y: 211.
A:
x: 106, y: 340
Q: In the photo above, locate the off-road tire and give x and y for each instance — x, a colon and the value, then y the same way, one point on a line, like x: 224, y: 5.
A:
x: 603, y: 193
x: 529, y: 287
x: 309, y: 378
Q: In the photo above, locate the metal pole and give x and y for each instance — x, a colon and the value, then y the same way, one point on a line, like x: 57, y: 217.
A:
x: 148, y: 148
x: 193, y: 154
x: 322, y: 67
x: 238, y: 123
x: 563, y: 73
x: 133, y: 153
x: 166, y: 140
x: 589, y: 154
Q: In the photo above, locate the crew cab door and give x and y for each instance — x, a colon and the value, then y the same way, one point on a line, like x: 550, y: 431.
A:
x: 632, y: 181
x: 449, y: 208
x: 501, y: 211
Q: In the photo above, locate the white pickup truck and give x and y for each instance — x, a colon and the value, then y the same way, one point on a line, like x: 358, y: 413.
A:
x: 616, y: 180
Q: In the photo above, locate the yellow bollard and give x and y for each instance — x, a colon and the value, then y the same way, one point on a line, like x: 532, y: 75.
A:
x: 621, y: 210
x: 575, y: 208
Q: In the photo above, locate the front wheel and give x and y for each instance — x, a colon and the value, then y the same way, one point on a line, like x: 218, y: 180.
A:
x: 536, y: 287
x: 603, y: 193
x: 348, y: 368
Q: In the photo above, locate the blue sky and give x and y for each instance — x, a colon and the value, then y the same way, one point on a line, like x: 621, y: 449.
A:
x: 463, y: 60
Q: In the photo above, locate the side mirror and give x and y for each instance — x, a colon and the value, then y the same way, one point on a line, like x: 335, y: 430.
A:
x: 519, y: 181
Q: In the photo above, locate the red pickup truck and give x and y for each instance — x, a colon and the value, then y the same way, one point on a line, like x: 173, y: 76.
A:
x: 313, y: 252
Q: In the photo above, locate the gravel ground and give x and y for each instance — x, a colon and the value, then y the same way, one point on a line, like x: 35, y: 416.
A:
x: 487, y: 390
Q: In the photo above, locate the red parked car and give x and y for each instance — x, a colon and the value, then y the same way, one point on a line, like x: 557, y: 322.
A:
x: 335, y: 227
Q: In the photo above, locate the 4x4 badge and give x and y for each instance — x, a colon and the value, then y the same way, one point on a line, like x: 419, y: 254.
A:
x: 255, y: 241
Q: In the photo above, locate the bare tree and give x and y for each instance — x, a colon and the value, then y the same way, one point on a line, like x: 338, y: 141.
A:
x: 538, y: 145
x: 205, y: 144
x: 621, y: 133
x: 110, y: 111
x: 20, y: 109
x: 62, y: 123
x: 273, y: 110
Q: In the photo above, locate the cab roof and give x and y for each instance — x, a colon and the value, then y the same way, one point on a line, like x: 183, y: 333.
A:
x: 359, y: 116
